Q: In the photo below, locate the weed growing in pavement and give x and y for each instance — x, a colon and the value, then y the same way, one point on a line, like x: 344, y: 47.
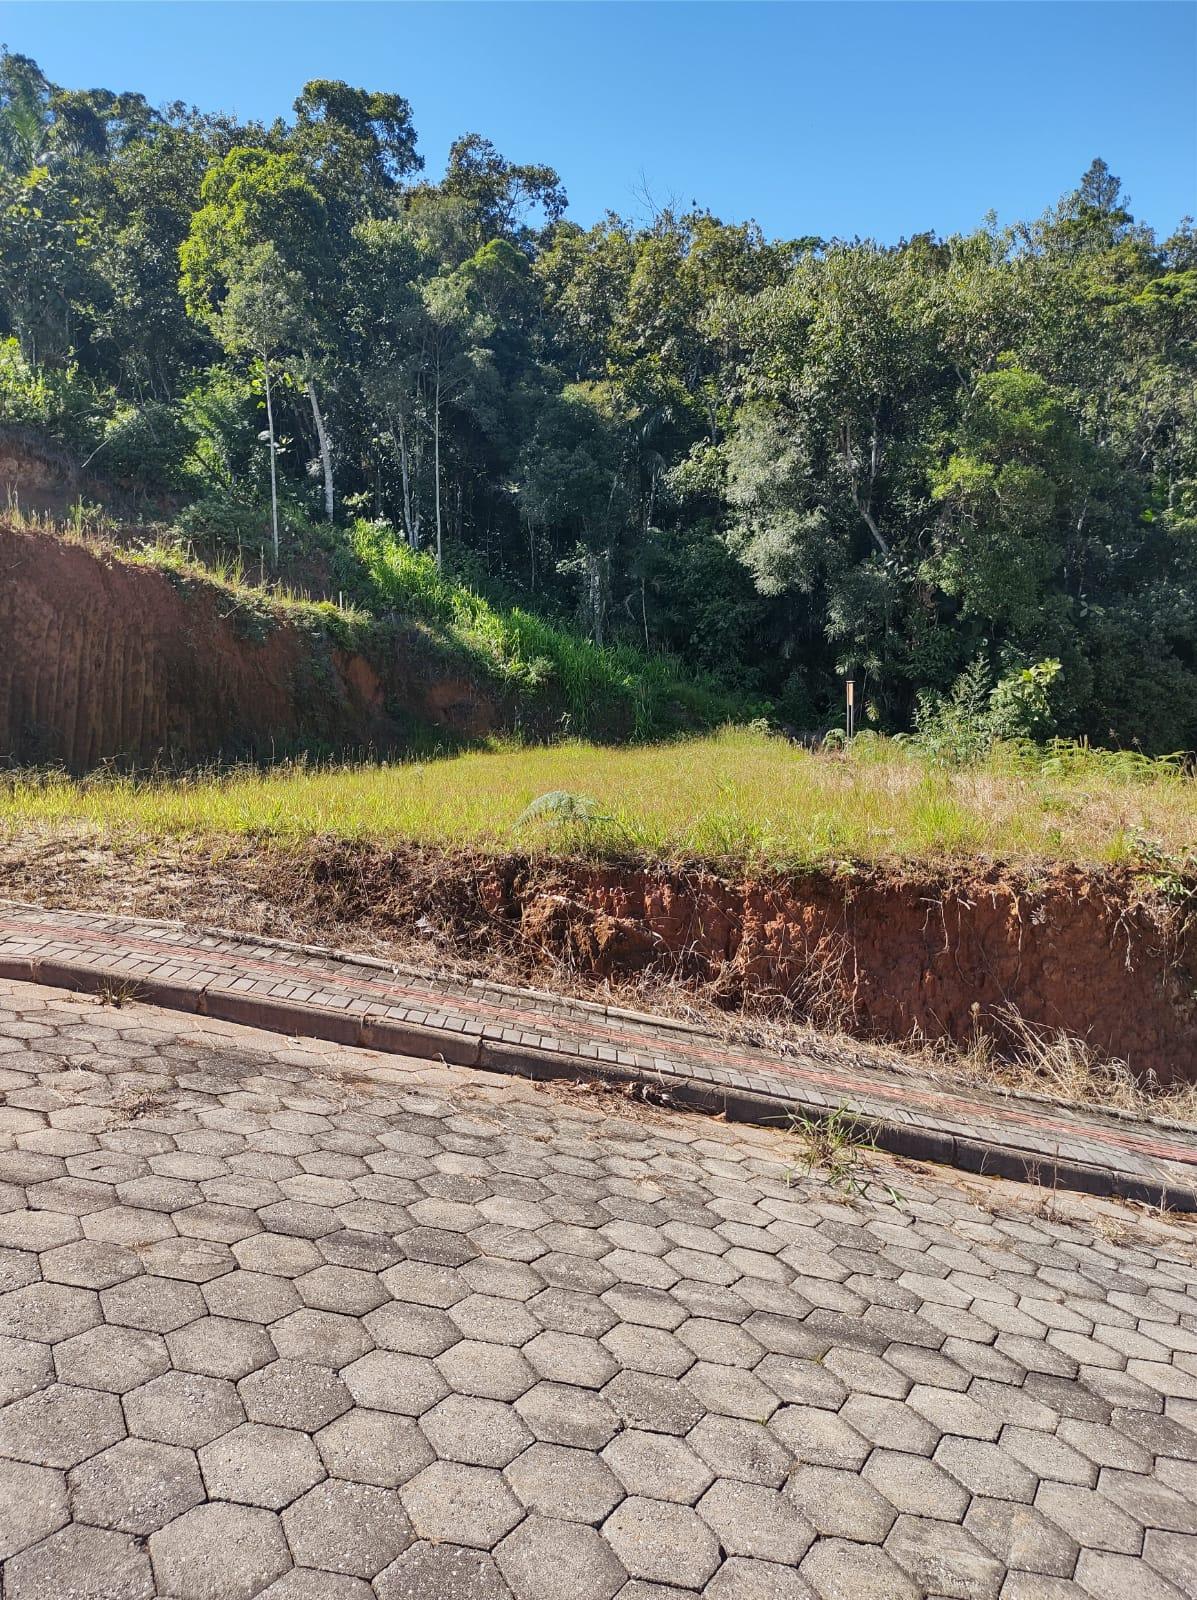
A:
x: 839, y: 1146
x: 117, y: 993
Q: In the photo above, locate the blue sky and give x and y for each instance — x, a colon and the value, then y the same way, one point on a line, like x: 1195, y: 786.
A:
x: 877, y: 119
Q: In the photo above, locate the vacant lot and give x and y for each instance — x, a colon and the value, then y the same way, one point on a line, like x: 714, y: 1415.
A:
x: 739, y: 797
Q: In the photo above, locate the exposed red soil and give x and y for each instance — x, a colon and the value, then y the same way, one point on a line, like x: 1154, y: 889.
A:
x: 104, y: 660
x: 877, y: 954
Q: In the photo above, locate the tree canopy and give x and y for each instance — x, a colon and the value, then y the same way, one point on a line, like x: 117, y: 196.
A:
x: 921, y: 463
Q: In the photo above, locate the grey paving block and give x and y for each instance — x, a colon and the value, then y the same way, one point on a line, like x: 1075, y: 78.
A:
x: 751, y: 1520
x: 259, y: 1465
x: 448, y: 1571
x: 562, y: 1482
x: 60, y: 1426
x: 662, y: 1543
x: 183, y: 1408
x: 481, y: 1433
x: 549, y: 1559
x: 136, y: 1486
x: 355, y: 1529
x: 469, y: 1505
x: 84, y: 1563
x: 375, y: 1447
x: 294, y: 1394
x: 836, y: 1569
x: 944, y: 1559
x: 33, y: 1504
x: 840, y: 1504
x: 219, y: 1552
x: 657, y: 1466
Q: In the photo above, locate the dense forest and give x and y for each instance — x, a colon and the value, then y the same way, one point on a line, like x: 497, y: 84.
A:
x: 962, y: 466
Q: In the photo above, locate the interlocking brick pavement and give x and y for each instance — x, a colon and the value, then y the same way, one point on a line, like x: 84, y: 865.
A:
x: 354, y: 1000
x: 311, y: 1322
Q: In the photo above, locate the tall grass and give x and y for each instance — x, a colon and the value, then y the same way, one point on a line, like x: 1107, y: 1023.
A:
x: 735, y: 797
x: 615, y: 689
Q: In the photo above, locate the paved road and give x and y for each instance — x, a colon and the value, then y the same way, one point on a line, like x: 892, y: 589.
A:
x: 318, y: 1324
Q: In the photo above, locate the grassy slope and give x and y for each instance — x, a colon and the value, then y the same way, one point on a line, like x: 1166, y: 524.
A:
x: 736, y: 797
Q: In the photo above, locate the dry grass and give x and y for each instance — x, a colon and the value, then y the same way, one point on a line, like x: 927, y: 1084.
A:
x: 739, y: 796
x: 1033, y: 1059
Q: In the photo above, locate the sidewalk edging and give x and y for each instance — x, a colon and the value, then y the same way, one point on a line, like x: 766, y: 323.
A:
x: 984, y: 1157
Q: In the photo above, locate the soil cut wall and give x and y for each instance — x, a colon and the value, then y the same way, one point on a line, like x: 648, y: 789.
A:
x: 103, y: 659
x: 881, y: 953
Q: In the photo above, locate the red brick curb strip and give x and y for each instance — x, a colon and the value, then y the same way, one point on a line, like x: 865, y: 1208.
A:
x: 357, y: 1001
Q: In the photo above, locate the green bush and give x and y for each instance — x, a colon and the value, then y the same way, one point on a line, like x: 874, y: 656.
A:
x: 616, y: 689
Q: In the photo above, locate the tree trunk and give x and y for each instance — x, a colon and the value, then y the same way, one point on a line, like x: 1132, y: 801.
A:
x: 436, y: 451
x: 409, y: 527
x: 273, y: 461
x: 322, y: 435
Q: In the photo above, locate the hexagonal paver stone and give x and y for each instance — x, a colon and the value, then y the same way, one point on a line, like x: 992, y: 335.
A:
x: 159, y: 1305
x: 1111, y: 1577
x: 37, y: 1230
x: 33, y: 1503
x: 446, y: 1571
x: 118, y: 1359
x: 220, y: 1348
x: 24, y: 1367
x: 90, y: 1264
x: 648, y: 1350
x: 733, y: 1448
x: 561, y: 1414
x: 320, y: 1336
x: 570, y: 1358
x: 657, y: 1465
x: 943, y: 1559
x: 60, y: 1426
x: 662, y: 1543
x: 352, y: 1528
x: 739, y: 1579
x: 839, y: 1570
x: 387, y: 1381
x: 294, y: 1394
x: 545, y: 1559
x: 731, y: 1392
x: 374, y: 1447
x: 820, y: 1438
x: 986, y: 1469
x: 258, y: 1465
x: 190, y: 1260
x: 415, y: 1330
x: 754, y: 1521
x: 306, y: 1583
x: 840, y: 1504
x: 82, y: 1563
x: 137, y: 1486
x: 47, y: 1312
x: 251, y: 1296
x: 1022, y: 1537
x: 276, y: 1253
x: 470, y: 1505
x: 659, y: 1405
x: 219, y: 1552
x: 183, y: 1408
x: 915, y: 1485
x: 480, y: 1433
x: 341, y: 1289
x: 490, y: 1371
x: 561, y: 1482
x: 128, y: 1225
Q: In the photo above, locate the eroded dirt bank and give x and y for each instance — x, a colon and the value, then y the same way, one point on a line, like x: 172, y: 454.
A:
x: 104, y: 660
x: 876, y: 953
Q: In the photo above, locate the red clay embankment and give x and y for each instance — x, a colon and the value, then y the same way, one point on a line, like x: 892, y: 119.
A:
x: 103, y: 659
x: 883, y: 953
